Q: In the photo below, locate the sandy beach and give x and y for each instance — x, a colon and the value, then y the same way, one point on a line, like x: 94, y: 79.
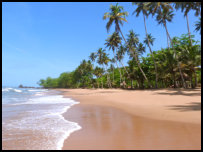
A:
x: 114, y: 119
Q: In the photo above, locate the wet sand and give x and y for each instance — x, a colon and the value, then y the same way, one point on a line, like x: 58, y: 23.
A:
x: 135, y: 120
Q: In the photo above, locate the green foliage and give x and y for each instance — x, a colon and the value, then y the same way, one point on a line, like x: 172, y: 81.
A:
x: 185, y: 54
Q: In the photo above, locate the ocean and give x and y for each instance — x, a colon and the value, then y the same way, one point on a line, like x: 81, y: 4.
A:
x: 32, y: 119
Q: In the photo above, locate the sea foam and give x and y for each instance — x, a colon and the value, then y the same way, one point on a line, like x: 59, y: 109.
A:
x: 43, y: 114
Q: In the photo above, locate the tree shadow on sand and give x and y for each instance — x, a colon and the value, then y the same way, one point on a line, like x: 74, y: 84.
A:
x: 193, y: 106
x: 182, y: 92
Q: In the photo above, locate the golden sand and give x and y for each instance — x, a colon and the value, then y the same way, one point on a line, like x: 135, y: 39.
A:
x: 112, y: 119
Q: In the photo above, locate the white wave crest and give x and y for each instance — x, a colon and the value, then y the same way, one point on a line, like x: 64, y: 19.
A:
x: 10, y: 89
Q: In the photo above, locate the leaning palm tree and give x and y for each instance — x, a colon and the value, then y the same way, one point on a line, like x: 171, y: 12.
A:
x: 154, y: 7
x: 198, y: 26
x: 164, y: 16
x: 112, y: 42
x: 120, y: 54
x: 117, y: 16
x: 186, y: 7
x: 132, y: 43
x: 112, y: 70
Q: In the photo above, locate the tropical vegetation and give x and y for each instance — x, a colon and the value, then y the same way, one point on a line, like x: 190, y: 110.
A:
x: 176, y: 66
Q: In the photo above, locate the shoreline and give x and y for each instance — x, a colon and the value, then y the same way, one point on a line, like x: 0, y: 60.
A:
x: 153, y: 109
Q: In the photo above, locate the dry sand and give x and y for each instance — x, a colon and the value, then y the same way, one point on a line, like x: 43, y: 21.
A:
x: 112, y: 119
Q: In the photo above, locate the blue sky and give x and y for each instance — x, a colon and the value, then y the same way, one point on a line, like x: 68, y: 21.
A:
x: 45, y: 39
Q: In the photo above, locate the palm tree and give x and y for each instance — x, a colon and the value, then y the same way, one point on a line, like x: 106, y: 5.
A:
x: 142, y: 7
x: 153, y: 7
x: 100, y: 52
x: 103, y: 60
x: 198, y: 25
x: 92, y: 57
x: 120, y: 56
x: 162, y: 17
x: 191, y: 55
x: 112, y: 70
x: 149, y: 40
x: 98, y: 72
x: 115, y: 16
x: 112, y: 42
x: 185, y: 7
x: 132, y: 43
x: 106, y: 60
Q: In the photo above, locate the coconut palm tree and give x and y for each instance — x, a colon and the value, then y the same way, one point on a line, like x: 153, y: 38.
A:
x: 112, y: 70
x: 198, y: 25
x: 153, y: 7
x: 106, y: 60
x: 191, y: 55
x: 92, y: 57
x: 132, y: 43
x: 112, y: 42
x: 185, y: 7
x: 98, y: 72
x: 100, y: 61
x: 103, y: 60
x: 149, y: 40
x: 117, y: 16
x: 142, y: 7
x: 164, y: 16
x: 120, y: 56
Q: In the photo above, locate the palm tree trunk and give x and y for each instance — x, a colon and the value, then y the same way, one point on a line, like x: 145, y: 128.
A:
x: 174, y: 80
x: 181, y: 74
x: 188, y: 30
x: 109, y: 85
x: 131, y: 84
x: 125, y: 69
x: 117, y: 67
x: 167, y: 40
x: 108, y: 78
x: 135, y: 59
x: 155, y: 66
x: 113, y: 75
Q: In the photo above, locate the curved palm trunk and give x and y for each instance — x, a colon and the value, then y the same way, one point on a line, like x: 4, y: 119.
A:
x: 135, y: 59
x: 188, y: 30
x: 123, y: 73
x: 125, y: 69
x: 181, y: 74
x: 108, y: 78
x: 124, y: 83
x: 109, y: 85
x: 118, y: 67
x: 155, y: 66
